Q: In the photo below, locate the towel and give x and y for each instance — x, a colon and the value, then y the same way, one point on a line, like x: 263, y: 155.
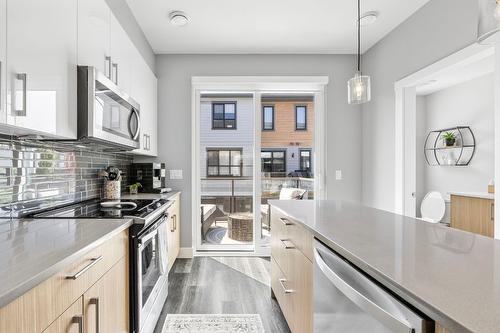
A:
x: 163, y: 249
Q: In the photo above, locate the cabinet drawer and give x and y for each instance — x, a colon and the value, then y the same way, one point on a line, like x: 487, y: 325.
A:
x: 283, y: 298
x: 284, y: 228
x: 71, y: 321
x: 43, y: 304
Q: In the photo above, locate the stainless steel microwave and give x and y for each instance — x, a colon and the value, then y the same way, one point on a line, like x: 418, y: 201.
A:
x: 106, y: 115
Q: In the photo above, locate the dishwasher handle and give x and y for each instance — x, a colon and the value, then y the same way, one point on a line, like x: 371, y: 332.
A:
x: 367, y: 305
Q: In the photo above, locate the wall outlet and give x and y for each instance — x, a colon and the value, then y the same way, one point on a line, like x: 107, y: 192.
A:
x: 175, y: 174
x: 338, y: 174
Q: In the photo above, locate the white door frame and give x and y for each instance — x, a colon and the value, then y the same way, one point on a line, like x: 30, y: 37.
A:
x: 256, y: 85
x: 405, y: 135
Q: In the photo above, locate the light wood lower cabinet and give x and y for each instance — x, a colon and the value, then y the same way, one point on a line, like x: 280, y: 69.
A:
x: 472, y: 214
x: 106, y: 303
x: 41, y: 307
x: 292, y: 271
x: 174, y: 231
x: 71, y: 321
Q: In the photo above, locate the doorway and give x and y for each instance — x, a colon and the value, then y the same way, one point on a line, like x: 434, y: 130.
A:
x: 253, y: 137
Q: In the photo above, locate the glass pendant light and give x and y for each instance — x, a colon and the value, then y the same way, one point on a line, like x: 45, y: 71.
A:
x: 359, y: 87
x: 488, y: 28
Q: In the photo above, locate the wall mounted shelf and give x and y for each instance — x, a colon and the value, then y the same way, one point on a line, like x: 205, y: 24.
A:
x: 437, y: 153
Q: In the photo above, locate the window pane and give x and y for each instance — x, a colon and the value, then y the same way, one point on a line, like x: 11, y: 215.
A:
x: 266, y: 154
x: 230, y: 123
x: 218, y: 111
x: 224, y: 171
x: 235, y: 157
x: 268, y: 117
x: 235, y: 171
x: 230, y: 111
x: 213, y: 157
x: 301, y: 117
x: 213, y: 171
x: 305, y: 153
x: 279, y: 154
x: 218, y: 123
x: 224, y: 157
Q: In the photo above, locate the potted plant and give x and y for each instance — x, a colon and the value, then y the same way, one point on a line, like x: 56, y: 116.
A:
x: 449, y: 139
x: 134, y: 188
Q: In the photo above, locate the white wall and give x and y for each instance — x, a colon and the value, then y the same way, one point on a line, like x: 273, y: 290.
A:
x: 437, y: 30
x: 421, y: 134
x: 174, y: 118
x: 467, y: 104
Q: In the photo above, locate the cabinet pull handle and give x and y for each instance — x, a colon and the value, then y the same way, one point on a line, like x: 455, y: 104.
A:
x: 115, y: 67
x: 149, y: 142
x: 287, y: 244
x: 95, y: 301
x: 108, y: 67
x: 78, y: 320
x: 492, y: 212
x: 282, y: 284
x: 23, y: 77
x: 93, y: 262
x: 175, y: 222
x: 285, y: 221
x: 172, y: 229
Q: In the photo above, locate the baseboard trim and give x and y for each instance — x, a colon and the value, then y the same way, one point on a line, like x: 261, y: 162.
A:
x: 185, y: 253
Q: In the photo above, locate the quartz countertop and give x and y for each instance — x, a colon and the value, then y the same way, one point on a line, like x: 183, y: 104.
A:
x: 33, y: 250
x: 451, y: 275
x: 480, y: 195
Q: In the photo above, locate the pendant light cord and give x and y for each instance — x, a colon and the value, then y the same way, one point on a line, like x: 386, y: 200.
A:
x: 359, y: 35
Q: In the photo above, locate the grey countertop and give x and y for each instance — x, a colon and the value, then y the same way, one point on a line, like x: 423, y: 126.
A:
x: 31, y: 251
x: 451, y: 275
x: 150, y: 195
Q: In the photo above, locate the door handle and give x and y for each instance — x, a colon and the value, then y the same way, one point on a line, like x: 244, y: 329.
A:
x: 95, y: 301
x: 282, y: 284
x: 93, y: 262
x: 285, y: 221
x: 23, y: 77
x: 78, y: 320
x: 108, y: 67
x: 115, y: 70
x: 287, y: 244
x: 136, y: 134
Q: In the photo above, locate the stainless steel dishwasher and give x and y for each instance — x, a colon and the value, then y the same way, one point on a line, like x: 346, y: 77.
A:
x: 346, y: 301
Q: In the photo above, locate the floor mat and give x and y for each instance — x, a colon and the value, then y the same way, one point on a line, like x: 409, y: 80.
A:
x: 213, y: 323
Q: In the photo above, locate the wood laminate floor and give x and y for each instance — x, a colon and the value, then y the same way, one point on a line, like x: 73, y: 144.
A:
x: 228, y: 285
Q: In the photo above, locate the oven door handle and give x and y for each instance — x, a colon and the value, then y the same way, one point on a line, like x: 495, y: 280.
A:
x: 152, y: 231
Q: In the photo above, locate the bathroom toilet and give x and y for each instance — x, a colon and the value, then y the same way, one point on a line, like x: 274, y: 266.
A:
x: 433, y: 207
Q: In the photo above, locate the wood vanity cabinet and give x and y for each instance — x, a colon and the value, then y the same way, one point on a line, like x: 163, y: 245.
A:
x: 473, y: 214
x: 173, y: 229
x: 292, y: 271
x: 53, y: 305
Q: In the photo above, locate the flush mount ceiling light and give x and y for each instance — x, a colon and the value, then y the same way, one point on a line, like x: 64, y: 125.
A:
x: 488, y: 27
x: 368, y: 18
x: 359, y: 87
x: 178, y: 19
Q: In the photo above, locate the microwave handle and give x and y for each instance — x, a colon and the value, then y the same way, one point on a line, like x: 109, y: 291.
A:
x: 136, y: 134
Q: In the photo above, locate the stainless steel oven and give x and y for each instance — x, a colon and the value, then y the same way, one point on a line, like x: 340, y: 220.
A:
x: 151, y: 274
x: 106, y: 114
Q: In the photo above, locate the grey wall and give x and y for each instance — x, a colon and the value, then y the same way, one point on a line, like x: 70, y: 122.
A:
x: 421, y: 135
x: 126, y: 18
x: 469, y: 104
x: 174, y: 118
x: 439, y: 29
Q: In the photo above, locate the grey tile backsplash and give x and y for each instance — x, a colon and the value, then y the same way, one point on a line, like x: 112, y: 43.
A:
x: 36, y: 176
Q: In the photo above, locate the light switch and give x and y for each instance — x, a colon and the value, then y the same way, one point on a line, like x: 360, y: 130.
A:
x: 175, y: 174
x: 338, y: 174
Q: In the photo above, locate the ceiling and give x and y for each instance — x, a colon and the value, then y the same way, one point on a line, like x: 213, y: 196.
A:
x: 267, y: 26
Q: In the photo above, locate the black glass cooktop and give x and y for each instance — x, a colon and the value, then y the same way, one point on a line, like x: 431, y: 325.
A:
x: 109, y: 209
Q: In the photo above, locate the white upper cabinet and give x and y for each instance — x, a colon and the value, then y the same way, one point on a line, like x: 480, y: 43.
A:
x: 3, y: 60
x: 94, y: 35
x: 122, y: 57
x: 41, y: 66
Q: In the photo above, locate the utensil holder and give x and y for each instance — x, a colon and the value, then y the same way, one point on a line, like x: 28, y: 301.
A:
x: 111, y: 190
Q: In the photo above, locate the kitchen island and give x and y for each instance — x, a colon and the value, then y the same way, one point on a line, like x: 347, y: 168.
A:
x: 450, y: 275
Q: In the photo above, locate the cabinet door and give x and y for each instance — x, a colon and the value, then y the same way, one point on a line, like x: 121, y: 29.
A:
x: 41, y: 54
x: 94, y: 34
x: 106, y: 303
x: 473, y: 214
x: 71, y: 321
x: 122, y: 50
x: 3, y: 62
